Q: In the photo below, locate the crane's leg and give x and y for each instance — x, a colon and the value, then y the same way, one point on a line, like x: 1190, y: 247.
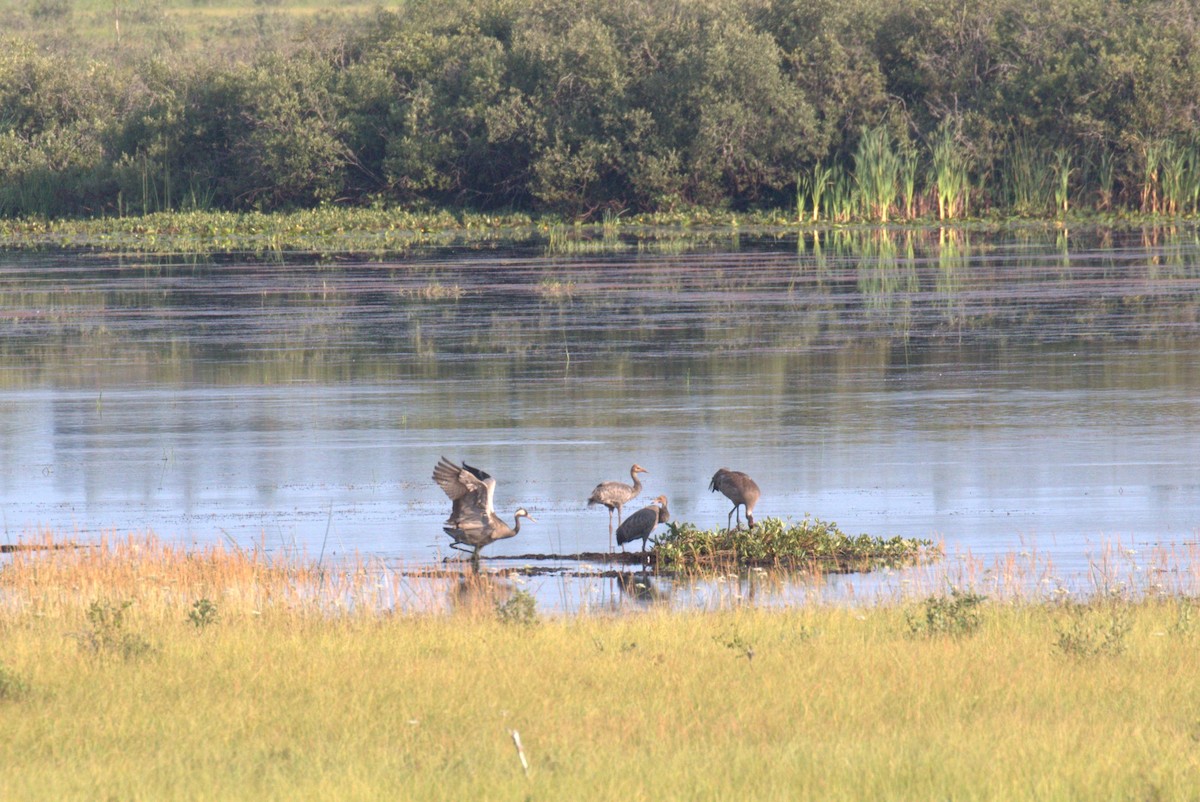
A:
x: 475, y: 560
x: 729, y: 519
x: 610, y: 530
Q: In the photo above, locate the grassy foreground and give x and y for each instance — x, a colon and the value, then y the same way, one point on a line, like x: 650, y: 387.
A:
x: 146, y: 692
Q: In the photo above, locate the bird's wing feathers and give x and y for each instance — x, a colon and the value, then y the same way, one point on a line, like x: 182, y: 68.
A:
x: 638, y: 525
x: 458, y: 481
x: 470, y: 489
x: 480, y: 475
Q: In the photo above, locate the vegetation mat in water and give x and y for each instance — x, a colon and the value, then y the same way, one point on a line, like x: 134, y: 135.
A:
x: 812, y: 543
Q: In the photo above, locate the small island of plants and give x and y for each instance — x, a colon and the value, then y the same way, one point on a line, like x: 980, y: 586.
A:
x: 809, y: 544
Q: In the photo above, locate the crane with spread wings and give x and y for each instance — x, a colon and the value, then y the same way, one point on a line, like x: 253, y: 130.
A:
x: 473, y: 521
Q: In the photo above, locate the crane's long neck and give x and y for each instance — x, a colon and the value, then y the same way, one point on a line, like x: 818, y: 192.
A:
x: 517, y: 524
x: 637, y: 483
x: 664, y: 514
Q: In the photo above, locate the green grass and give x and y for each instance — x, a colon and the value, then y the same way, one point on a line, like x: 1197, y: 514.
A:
x: 195, y: 26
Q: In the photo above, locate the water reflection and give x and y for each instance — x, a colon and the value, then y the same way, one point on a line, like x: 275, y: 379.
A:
x: 982, y: 388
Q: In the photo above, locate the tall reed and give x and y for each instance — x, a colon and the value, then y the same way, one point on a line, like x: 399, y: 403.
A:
x: 1027, y: 174
x: 840, y: 197
x: 1105, y: 178
x: 949, y: 173
x: 816, y: 183
x: 876, y: 172
x: 908, y: 180
x: 1062, y: 179
x: 1152, y: 154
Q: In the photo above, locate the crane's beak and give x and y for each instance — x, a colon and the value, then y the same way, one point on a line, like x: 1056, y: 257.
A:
x: 530, y: 517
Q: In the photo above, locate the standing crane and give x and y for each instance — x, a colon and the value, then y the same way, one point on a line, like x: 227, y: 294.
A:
x: 738, y: 488
x: 473, y: 521
x: 615, y: 494
x: 642, y: 522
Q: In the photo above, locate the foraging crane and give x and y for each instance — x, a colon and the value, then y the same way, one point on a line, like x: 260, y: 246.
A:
x: 642, y: 522
x: 615, y: 494
x: 473, y: 522
x: 738, y: 488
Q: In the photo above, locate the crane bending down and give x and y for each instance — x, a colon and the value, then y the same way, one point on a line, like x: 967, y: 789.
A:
x: 642, y: 522
x: 738, y: 488
x: 473, y: 521
x: 615, y: 494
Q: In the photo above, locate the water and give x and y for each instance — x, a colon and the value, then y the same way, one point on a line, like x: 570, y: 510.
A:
x: 1000, y: 393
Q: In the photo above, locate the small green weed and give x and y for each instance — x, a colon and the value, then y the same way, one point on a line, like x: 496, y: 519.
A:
x: 13, y: 686
x: 1095, y: 630
x: 519, y: 609
x: 736, y: 643
x: 1185, y: 617
x: 955, y: 615
x: 203, y: 613
x: 106, y: 634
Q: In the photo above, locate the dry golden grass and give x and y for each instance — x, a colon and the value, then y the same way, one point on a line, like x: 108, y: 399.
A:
x: 294, y: 685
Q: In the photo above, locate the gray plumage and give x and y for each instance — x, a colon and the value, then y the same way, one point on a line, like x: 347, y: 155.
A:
x: 642, y: 522
x: 473, y: 521
x: 615, y: 494
x: 738, y: 488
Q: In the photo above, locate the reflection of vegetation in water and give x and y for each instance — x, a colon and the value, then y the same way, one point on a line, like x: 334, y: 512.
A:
x: 773, y: 542
x: 953, y: 258
x: 774, y: 309
x: 888, y: 283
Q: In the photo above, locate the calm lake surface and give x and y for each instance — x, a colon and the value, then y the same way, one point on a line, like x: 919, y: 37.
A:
x: 1017, y: 393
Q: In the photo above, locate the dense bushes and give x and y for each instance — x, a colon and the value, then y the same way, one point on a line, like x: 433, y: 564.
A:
x: 867, y: 107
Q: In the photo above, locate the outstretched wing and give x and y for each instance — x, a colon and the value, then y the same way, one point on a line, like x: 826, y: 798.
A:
x: 480, y: 475
x: 471, y: 491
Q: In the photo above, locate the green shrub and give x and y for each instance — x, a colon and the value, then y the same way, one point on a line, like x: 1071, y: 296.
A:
x: 13, y: 686
x: 519, y: 609
x: 106, y: 634
x: 1095, y: 629
x: 203, y: 614
x: 954, y: 615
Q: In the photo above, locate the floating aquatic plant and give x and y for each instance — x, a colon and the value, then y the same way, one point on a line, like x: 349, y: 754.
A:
x: 811, y: 543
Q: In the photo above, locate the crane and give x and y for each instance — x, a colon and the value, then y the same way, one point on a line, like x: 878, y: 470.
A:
x: 473, y: 521
x: 738, y: 488
x: 642, y: 522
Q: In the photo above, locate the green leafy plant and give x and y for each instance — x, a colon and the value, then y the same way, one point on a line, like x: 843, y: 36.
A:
x: 1185, y: 617
x: 736, y: 643
x: 1095, y: 630
x: 13, y: 686
x: 519, y: 609
x: 954, y: 615
x: 106, y: 633
x: 877, y: 169
x: 949, y: 173
x: 203, y: 614
x: 774, y: 542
